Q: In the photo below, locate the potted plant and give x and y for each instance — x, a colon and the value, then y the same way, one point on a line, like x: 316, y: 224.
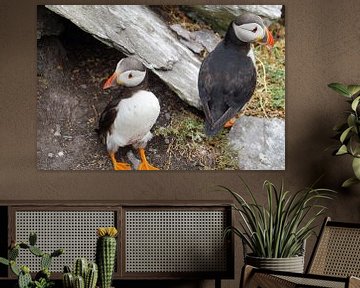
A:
x: 84, y: 274
x: 87, y: 274
x: 275, y: 234
x: 348, y: 132
x: 42, y: 278
x: 106, y: 254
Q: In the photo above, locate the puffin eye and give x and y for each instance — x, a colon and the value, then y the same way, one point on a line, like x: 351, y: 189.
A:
x: 254, y: 30
x: 130, y: 76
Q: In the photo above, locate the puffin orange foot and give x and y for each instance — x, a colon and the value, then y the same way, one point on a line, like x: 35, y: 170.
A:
x: 230, y: 123
x: 119, y: 165
x: 147, y: 166
x: 144, y: 165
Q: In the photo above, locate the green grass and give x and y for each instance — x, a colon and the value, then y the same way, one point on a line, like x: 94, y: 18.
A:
x: 189, y: 141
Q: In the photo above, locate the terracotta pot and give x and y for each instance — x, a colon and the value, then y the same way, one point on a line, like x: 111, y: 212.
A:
x: 291, y: 264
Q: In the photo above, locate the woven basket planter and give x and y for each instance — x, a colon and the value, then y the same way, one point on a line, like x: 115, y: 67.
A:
x: 291, y: 264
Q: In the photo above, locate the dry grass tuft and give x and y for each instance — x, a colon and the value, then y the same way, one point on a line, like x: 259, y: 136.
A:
x: 172, y: 14
x: 187, y: 139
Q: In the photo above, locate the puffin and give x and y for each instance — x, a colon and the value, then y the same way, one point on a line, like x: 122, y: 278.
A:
x: 227, y: 76
x: 128, y: 118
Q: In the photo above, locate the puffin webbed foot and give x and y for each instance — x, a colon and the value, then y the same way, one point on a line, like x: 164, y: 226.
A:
x: 119, y: 165
x: 230, y: 123
x: 144, y: 165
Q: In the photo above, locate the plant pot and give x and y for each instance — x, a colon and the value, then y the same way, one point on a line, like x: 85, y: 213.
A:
x: 291, y: 264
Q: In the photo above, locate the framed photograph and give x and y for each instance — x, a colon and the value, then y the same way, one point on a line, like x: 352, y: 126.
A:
x: 136, y: 87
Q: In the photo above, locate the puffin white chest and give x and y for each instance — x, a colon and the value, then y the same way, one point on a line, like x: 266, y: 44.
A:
x: 252, y: 56
x: 135, y: 117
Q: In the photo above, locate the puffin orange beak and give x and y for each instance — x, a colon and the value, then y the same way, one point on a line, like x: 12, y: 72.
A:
x: 110, y: 81
x: 269, y: 39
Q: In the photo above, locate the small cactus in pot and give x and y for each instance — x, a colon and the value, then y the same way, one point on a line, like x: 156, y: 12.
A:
x: 106, y: 254
x: 68, y: 278
x: 91, y: 275
x: 85, y: 275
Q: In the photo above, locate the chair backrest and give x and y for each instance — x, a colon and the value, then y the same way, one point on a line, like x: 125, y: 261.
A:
x: 337, y: 251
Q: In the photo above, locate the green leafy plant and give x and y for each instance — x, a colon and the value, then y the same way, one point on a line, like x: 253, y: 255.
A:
x: 348, y: 132
x: 279, y: 229
x: 43, y: 283
x: 42, y: 278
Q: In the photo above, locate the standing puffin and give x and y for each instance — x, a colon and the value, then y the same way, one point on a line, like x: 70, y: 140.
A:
x: 227, y: 77
x: 127, y: 120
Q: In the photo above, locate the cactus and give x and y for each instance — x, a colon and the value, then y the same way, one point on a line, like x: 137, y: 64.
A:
x: 24, y: 246
x: 68, y: 280
x: 67, y: 269
x: 105, y: 254
x: 32, y: 238
x: 57, y: 252
x: 80, y: 267
x: 24, y: 278
x: 14, y: 268
x: 44, y: 273
x: 79, y: 282
x: 13, y: 253
x: 36, y: 251
x: 4, y: 261
x: 45, y: 261
x: 91, y: 276
x: 87, y: 272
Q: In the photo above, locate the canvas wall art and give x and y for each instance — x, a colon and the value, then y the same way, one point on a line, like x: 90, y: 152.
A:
x: 136, y: 87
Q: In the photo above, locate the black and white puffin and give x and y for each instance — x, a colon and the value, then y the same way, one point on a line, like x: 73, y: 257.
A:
x: 127, y: 120
x: 227, y: 77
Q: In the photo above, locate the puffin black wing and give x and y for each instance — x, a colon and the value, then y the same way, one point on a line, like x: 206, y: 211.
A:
x: 107, y: 119
x: 227, y: 80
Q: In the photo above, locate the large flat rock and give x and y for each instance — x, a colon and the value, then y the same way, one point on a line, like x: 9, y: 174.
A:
x: 136, y: 30
x: 219, y: 16
x: 260, y: 143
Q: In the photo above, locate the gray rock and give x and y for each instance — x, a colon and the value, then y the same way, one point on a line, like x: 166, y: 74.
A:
x: 207, y: 38
x: 260, y: 143
x: 196, y: 41
x: 182, y: 32
x: 57, y: 133
x: 136, y: 30
x: 219, y: 16
x: 193, y: 46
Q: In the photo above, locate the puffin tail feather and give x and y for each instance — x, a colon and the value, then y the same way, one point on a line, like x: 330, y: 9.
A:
x: 211, y: 130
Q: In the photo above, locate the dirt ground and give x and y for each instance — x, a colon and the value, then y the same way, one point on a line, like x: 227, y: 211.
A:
x: 71, y: 71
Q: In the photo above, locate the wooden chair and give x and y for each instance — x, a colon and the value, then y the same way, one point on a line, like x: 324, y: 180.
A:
x: 335, y: 262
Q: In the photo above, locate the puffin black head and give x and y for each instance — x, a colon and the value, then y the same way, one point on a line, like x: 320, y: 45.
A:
x: 129, y: 72
x: 250, y: 28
